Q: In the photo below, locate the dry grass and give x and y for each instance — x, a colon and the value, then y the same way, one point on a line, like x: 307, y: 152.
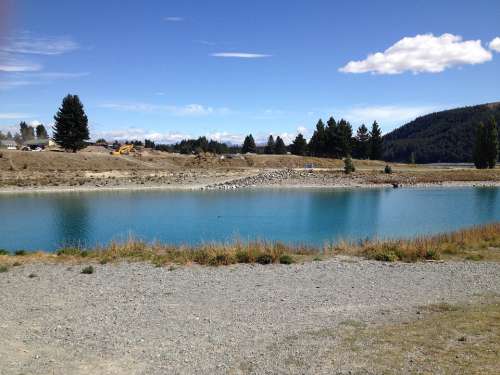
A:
x: 452, y: 340
x: 476, y: 243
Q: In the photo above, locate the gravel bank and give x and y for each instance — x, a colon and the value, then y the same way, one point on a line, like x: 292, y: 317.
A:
x: 138, y: 319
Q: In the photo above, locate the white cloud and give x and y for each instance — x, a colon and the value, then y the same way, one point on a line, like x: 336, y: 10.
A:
x: 187, y: 110
x: 422, y: 53
x: 174, y: 19
x: 240, y: 55
x: 13, y: 116
x: 495, y: 44
x: 12, y: 64
x: 25, y: 43
x: 28, y: 79
x: 11, y: 84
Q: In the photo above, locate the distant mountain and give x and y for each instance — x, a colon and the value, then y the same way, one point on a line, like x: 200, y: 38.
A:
x: 446, y: 136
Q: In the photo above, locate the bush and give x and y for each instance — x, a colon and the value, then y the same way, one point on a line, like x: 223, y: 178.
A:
x: 388, y: 256
x: 348, y: 165
x: 286, y: 259
x: 431, y: 254
x: 20, y: 252
x: 264, y: 259
x: 220, y: 260
x: 388, y: 169
x: 242, y: 257
x: 4, y: 252
x: 3, y: 268
x: 70, y: 251
x: 88, y: 270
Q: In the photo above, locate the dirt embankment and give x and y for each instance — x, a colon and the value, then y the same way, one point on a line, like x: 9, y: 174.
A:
x: 95, y: 168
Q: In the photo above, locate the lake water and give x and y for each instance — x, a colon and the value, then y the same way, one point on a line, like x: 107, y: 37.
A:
x: 48, y: 221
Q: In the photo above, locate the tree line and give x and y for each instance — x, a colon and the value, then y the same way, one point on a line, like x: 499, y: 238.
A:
x: 26, y: 133
x: 485, y: 153
x: 335, y: 140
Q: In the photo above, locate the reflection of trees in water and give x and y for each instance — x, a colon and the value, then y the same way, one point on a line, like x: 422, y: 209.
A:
x: 71, y: 219
x: 351, y: 214
x: 487, y: 205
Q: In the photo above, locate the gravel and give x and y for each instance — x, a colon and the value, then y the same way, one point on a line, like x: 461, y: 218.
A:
x: 138, y: 319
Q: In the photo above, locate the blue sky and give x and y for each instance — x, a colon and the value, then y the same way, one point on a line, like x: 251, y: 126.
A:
x: 172, y: 69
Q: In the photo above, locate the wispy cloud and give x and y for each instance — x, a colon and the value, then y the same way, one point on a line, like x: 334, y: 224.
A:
x: 240, y: 55
x: 422, y: 53
x: 13, y: 115
x: 13, y: 64
x: 495, y: 44
x: 39, y: 78
x: 174, y: 19
x: 26, y: 43
x: 186, y: 110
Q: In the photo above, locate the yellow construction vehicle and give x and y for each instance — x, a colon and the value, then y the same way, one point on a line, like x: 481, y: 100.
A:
x: 124, y: 150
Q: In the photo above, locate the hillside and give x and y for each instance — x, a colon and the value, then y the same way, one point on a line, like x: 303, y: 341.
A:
x: 446, y: 136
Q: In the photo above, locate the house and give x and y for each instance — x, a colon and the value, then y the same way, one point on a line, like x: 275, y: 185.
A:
x: 9, y: 144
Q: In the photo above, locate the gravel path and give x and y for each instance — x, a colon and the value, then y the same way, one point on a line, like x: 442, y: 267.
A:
x: 138, y: 319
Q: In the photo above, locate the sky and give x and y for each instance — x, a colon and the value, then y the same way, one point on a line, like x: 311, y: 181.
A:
x: 169, y: 70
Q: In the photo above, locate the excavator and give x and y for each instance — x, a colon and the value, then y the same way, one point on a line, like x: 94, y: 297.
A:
x: 124, y: 150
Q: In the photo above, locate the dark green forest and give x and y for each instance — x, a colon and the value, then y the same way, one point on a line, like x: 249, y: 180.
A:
x: 446, y: 137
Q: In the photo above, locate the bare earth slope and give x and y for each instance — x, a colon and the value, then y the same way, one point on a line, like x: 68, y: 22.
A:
x: 95, y: 168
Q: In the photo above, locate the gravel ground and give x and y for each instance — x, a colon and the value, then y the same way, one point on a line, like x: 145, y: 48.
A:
x: 138, y: 319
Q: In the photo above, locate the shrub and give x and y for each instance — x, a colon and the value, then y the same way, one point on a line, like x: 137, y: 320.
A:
x: 431, y: 254
x: 3, y: 268
x: 286, y: 259
x: 388, y: 169
x: 242, y: 257
x: 20, y: 252
x: 221, y: 259
x: 348, y: 165
x: 388, y: 256
x: 264, y: 259
x: 16, y: 264
x: 4, y: 252
x: 70, y: 251
x: 88, y: 270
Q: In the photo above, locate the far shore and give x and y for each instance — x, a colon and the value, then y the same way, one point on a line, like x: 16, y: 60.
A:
x: 232, y: 186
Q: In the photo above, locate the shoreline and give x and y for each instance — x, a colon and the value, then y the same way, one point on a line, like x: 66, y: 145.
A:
x: 228, y: 186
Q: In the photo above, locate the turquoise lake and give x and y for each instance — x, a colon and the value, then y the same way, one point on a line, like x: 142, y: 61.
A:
x: 314, y: 216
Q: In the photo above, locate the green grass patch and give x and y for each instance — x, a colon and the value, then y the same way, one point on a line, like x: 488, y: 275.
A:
x: 88, y: 270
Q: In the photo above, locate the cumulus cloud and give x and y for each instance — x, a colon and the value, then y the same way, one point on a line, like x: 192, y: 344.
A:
x: 422, y: 53
x: 495, y: 44
x: 240, y: 55
x: 186, y: 110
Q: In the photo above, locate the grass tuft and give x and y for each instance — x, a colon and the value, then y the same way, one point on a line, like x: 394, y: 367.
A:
x: 286, y: 259
x: 88, y: 270
x: 3, y: 268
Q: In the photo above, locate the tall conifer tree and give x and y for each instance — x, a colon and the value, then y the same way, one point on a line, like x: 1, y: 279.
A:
x: 71, y: 124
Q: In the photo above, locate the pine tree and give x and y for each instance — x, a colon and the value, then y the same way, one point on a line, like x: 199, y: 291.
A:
x: 332, y: 138
x: 41, y: 132
x: 345, y: 137
x: 269, y: 149
x: 71, y: 124
x: 317, y: 145
x: 299, y: 145
x: 491, y: 143
x: 279, y: 147
x: 249, y: 145
x: 375, y: 142
x: 348, y: 165
x: 480, y: 147
x: 362, y: 142
x: 9, y: 136
x: 27, y: 132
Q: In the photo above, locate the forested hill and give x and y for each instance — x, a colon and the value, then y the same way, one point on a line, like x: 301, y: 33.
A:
x: 446, y: 136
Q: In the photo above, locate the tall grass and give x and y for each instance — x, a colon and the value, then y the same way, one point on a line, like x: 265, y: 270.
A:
x: 476, y: 243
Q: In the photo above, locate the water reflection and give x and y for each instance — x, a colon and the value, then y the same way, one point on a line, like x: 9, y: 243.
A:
x: 71, y: 221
